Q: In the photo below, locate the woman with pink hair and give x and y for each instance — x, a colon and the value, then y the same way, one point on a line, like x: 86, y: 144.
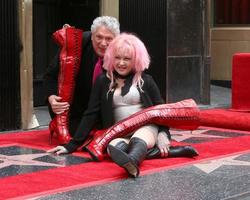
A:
x: 123, y: 90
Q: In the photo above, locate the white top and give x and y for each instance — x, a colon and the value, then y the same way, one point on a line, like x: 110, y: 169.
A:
x: 126, y: 105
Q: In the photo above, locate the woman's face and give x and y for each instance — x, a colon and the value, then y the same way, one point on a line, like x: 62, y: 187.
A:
x: 123, y: 64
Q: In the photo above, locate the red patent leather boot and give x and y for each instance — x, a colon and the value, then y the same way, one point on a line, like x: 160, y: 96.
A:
x: 180, y: 115
x: 70, y: 41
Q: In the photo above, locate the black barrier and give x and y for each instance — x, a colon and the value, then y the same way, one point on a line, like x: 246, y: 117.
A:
x: 9, y: 66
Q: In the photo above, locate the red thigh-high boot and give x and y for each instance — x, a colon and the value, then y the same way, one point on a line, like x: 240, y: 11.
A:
x: 180, y: 115
x: 70, y: 41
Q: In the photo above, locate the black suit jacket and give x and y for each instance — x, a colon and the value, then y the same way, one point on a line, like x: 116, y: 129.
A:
x: 83, y: 81
x: 100, y: 110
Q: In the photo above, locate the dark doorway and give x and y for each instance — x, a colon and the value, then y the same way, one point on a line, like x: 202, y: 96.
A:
x: 148, y: 20
x: 10, y: 102
x: 49, y: 16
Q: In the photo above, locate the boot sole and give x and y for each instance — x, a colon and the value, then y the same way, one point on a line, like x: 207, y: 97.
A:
x: 122, y: 159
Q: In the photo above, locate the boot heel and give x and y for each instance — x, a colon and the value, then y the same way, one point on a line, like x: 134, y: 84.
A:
x: 51, y: 133
x: 122, y: 159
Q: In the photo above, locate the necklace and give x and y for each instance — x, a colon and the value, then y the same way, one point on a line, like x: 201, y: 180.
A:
x: 117, y: 75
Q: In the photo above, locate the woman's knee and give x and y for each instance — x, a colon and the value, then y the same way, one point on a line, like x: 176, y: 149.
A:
x: 148, y: 138
x: 120, y: 143
x: 117, y: 140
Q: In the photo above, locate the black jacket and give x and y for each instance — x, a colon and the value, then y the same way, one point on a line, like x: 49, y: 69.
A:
x: 83, y: 81
x: 100, y: 110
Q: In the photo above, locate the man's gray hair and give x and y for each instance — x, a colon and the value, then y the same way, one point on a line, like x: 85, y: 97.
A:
x: 110, y: 22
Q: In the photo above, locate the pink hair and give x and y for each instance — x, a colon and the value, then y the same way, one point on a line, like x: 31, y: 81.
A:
x: 131, y: 43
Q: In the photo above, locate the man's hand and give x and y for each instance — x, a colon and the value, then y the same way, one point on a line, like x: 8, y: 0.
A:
x: 163, y: 143
x: 58, y: 150
x: 57, y: 106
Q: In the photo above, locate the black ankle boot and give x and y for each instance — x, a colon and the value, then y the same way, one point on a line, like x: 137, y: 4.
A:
x: 122, y: 145
x: 177, y: 151
x: 130, y: 161
x: 182, y: 151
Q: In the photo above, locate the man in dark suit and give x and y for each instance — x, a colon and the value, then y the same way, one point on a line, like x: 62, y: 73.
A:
x: 94, y: 43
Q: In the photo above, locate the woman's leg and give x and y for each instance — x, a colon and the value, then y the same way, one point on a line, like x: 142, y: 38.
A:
x: 142, y: 139
x: 120, y: 143
x: 148, y: 134
x: 173, y: 152
x: 118, y: 140
x: 182, y: 115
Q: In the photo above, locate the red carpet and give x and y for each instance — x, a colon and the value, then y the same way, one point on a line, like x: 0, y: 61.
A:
x: 226, y: 118
x: 58, y: 179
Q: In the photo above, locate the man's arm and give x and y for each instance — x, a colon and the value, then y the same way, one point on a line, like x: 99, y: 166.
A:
x: 51, y: 85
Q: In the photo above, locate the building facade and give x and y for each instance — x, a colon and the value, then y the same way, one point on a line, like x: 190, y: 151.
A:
x: 181, y: 36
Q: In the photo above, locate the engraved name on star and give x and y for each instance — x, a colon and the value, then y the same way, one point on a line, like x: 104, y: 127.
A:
x: 211, y: 165
x: 25, y: 159
x: 179, y: 136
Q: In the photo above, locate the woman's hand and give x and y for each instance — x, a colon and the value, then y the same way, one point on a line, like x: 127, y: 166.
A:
x: 163, y: 143
x: 58, y: 150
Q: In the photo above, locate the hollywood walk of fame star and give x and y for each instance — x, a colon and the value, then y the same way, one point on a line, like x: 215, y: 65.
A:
x: 183, y: 135
x: 26, y: 159
x: 210, y: 166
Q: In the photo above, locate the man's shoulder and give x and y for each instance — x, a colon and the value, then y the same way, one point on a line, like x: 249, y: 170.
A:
x: 87, y: 34
x: 86, y: 38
